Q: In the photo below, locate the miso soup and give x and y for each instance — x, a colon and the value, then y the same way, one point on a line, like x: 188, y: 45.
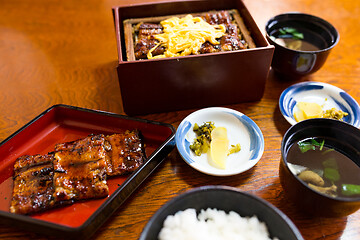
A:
x: 296, y: 44
x: 324, y: 169
x: 299, y: 38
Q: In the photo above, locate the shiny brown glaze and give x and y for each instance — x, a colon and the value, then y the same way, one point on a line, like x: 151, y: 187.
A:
x: 231, y: 40
x: 207, y: 47
x: 216, y: 18
x: 33, y: 184
x: 146, y: 40
x: 231, y: 43
x: 80, y: 169
x: 76, y: 171
x: 148, y: 29
x: 125, y: 153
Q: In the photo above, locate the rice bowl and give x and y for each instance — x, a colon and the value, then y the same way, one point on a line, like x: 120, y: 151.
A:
x: 212, y: 224
x: 227, y: 199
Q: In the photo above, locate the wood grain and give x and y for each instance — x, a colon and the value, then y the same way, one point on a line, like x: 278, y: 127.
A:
x: 64, y: 51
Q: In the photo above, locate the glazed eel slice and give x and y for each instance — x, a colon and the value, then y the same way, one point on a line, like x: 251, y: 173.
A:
x: 146, y: 41
x: 76, y: 170
x: 33, y: 184
x: 230, y: 41
x: 125, y: 152
x: 79, y: 169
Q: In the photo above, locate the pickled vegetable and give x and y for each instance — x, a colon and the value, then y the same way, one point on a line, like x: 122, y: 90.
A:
x: 202, y: 141
x: 219, y: 147
x: 334, y: 113
x: 234, y: 149
x: 309, y: 110
x: 215, y: 141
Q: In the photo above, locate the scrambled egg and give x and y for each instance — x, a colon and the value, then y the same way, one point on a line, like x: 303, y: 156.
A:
x: 184, y: 36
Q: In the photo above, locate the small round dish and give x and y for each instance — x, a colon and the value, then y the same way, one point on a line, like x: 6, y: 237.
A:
x: 240, y: 128
x: 324, y: 94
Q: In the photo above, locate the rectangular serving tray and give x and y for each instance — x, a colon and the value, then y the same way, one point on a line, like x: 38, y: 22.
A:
x: 63, y: 123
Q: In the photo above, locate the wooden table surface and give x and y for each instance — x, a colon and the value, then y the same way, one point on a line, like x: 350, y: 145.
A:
x: 64, y: 51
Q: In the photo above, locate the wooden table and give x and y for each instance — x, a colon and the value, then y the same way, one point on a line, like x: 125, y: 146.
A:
x: 64, y: 51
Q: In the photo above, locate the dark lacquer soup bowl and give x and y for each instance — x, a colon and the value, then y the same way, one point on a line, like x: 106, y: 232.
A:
x: 320, y: 167
x: 302, y: 43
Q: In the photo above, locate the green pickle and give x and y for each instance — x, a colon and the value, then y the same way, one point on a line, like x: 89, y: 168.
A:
x: 234, y: 149
x: 334, y: 113
x: 202, y: 141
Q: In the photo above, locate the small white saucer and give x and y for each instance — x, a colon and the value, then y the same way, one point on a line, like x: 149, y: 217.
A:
x: 240, y: 128
x: 324, y: 94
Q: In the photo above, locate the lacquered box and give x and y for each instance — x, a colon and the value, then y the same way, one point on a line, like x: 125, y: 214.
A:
x: 213, y: 79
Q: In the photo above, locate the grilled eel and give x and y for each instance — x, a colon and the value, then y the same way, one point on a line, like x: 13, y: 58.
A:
x: 125, y: 153
x: 33, y: 184
x: 79, y: 169
x: 229, y: 42
x: 146, y: 41
x: 75, y: 171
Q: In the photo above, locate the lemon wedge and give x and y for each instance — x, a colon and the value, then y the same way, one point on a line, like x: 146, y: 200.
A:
x: 219, y: 147
x: 308, y: 110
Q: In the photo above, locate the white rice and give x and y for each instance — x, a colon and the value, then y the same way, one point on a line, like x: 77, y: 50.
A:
x: 212, y: 224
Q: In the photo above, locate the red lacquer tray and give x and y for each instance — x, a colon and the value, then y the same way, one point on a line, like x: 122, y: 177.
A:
x: 62, y: 123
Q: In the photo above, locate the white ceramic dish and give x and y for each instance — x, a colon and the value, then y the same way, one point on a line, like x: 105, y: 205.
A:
x: 240, y: 128
x: 324, y: 94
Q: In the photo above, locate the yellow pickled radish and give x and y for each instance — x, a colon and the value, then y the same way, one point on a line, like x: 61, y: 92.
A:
x: 308, y: 110
x: 299, y: 116
x: 219, y: 147
x: 311, y: 110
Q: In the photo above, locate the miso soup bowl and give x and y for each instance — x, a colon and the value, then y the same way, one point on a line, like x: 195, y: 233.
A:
x: 345, y: 138
x: 295, y: 64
